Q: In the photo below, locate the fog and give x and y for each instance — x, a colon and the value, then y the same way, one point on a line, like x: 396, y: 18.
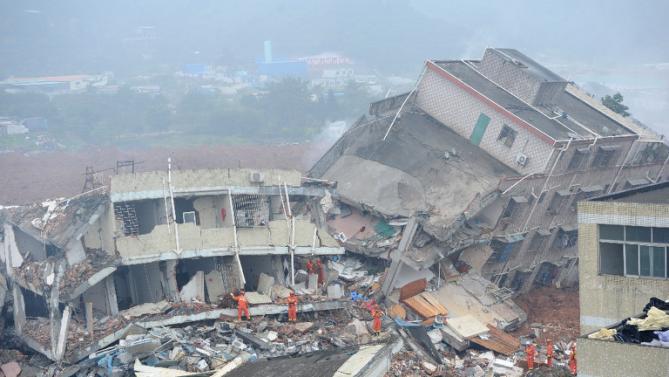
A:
x: 604, y: 46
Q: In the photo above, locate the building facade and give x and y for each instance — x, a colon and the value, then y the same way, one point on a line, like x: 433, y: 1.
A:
x: 493, y: 155
x: 623, y: 263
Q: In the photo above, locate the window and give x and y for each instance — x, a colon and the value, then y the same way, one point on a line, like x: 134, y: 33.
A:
x: 539, y: 240
x: 634, y: 251
x: 604, y: 156
x: 566, y: 238
x: 559, y: 198
x: 507, y: 135
x: 578, y: 158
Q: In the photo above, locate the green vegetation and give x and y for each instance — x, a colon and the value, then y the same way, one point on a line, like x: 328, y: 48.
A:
x: 284, y: 111
x: 615, y: 103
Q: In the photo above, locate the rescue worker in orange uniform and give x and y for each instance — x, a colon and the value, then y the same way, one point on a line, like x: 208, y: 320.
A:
x: 292, y: 307
x: 310, y: 267
x: 376, y: 323
x: 530, y: 351
x: 321, y: 273
x: 549, y: 353
x: 572, y: 359
x: 242, y: 305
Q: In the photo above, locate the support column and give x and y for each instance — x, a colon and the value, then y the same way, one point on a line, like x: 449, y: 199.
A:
x: 169, y: 280
x: 112, y: 301
x: 405, y: 242
x: 19, y: 308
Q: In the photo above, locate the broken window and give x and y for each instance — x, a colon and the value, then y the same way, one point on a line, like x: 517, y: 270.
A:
x: 586, y: 193
x: 566, y: 238
x: 558, y: 200
x: 507, y: 135
x: 539, y: 240
x: 251, y: 210
x: 633, y: 183
x: 651, y: 153
x: 634, y: 251
x: 503, y: 249
x: 578, y: 158
x: 605, y: 156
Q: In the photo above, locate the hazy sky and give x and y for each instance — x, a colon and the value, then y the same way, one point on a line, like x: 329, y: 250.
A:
x: 622, y: 45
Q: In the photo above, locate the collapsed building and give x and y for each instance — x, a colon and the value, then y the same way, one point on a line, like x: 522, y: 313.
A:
x: 86, y: 271
x: 483, y: 162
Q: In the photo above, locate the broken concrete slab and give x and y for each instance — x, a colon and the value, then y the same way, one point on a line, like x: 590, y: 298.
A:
x: 11, y: 369
x: 247, y: 337
x: 303, y: 326
x: 215, y: 285
x: 142, y: 370
x: 144, y: 309
x: 466, y: 326
x: 279, y: 291
x: 312, y: 282
x: 194, y: 289
x: 255, y: 298
x: 335, y: 291
x: 265, y: 284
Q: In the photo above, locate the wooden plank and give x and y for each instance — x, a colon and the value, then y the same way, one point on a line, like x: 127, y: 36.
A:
x: 425, y: 305
x: 498, y: 341
x: 418, y: 305
x: 412, y: 289
x: 429, y: 297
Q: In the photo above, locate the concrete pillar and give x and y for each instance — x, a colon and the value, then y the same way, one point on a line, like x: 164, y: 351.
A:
x: 19, y: 308
x: 169, y: 280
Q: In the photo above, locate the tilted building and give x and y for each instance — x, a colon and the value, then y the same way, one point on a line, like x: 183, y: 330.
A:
x: 155, y: 240
x: 490, y: 156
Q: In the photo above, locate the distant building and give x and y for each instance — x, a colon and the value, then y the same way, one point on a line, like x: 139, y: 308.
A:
x: 56, y: 84
x: 278, y: 68
x: 11, y: 126
x: 623, y: 263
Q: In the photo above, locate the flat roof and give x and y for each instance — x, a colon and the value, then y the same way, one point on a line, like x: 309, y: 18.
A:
x: 508, y: 101
x: 657, y: 193
x: 588, y: 116
x: 153, y: 183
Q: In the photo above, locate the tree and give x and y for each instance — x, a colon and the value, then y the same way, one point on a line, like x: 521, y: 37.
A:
x: 615, y: 103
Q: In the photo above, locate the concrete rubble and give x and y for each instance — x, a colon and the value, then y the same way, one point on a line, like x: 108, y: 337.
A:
x: 414, y: 218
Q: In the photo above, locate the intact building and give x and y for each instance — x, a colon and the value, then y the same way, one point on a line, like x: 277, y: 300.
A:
x: 491, y: 157
x: 624, y: 262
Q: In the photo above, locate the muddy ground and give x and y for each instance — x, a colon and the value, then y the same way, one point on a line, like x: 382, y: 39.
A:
x: 556, y: 309
x: 28, y: 178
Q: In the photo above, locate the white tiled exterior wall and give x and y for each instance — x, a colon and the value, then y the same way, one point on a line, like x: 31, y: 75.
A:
x: 459, y: 110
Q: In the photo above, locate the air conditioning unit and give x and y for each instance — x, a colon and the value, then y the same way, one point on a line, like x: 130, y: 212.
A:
x: 522, y: 159
x: 256, y: 177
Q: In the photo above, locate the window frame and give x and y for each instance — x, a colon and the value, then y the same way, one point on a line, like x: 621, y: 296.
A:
x: 652, y: 246
x: 507, y: 136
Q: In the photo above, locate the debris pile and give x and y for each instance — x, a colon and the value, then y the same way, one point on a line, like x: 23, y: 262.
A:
x: 650, y: 329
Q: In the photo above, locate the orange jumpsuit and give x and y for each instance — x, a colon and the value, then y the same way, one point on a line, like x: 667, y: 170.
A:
x: 530, y: 351
x: 242, y: 306
x: 321, y: 273
x: 292, y: 308
x: 549, y: 353
x: 310, y: 267
x: 376, y: 323
x: 572, y: 360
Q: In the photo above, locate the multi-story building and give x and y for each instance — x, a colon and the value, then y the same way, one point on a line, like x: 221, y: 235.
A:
x: 624, y: 262
x: 492, y: 156
x: 154, y: 240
